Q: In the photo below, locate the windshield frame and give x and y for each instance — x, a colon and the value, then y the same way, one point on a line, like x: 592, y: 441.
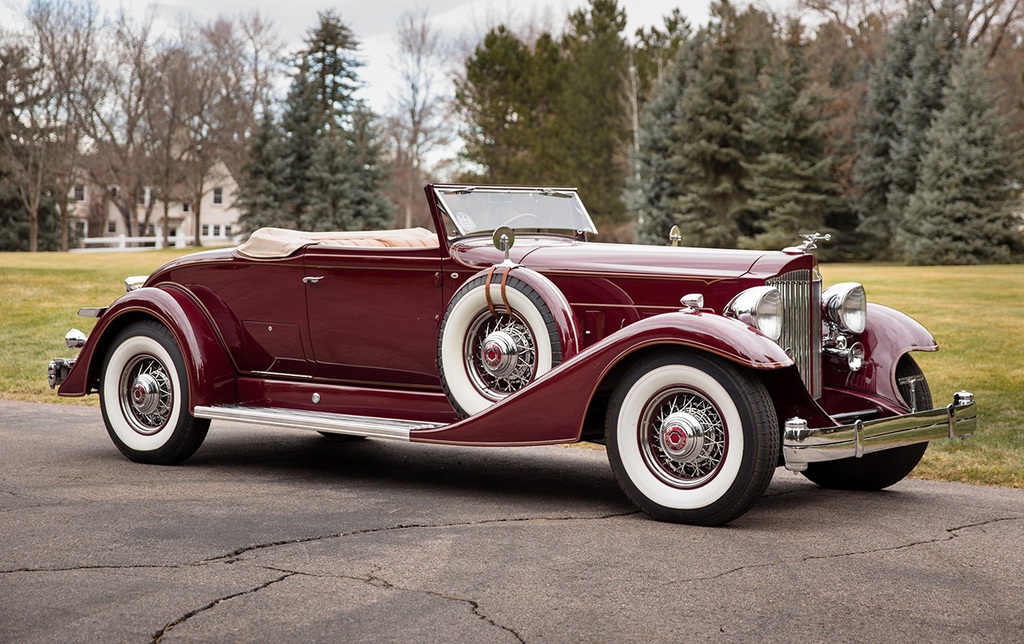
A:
x: 558, y: 210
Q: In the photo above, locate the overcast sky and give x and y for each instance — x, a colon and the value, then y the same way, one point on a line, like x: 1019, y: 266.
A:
x: 373, y: 21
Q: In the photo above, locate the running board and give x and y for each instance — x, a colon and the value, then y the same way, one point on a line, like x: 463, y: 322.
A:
x: 316, y: 421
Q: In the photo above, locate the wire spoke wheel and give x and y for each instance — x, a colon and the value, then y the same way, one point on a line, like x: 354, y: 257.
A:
x: 501, y: 354
x: 683, y: 438
x: 146, y: 394
x: 691, y: 438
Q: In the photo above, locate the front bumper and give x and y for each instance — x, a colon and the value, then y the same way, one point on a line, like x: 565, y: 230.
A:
x: 802, y: 445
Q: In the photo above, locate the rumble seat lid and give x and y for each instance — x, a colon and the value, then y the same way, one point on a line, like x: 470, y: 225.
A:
x: 272, y: 243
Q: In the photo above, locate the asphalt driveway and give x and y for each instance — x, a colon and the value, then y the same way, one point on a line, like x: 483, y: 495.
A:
x: 275, y: 535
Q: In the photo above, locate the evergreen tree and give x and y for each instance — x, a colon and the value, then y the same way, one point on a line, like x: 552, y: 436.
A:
x: 591, y: 124
x: 708, y: 162
x: 964, y: 209
x: 492, y: 99
x: 262, y: 194
x: 790, y: 179
x: 321, y: 168
x: 345, y: 183
x: 655, y: 186
x: 936, y: 51
x: 905, y: 92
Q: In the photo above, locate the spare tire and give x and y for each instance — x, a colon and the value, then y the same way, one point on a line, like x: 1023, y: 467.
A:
x: 486, y: 350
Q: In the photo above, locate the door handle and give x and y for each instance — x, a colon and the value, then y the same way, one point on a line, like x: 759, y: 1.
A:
x: 311, y: 279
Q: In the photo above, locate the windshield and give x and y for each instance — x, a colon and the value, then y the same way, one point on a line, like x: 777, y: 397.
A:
x: 482, y: 209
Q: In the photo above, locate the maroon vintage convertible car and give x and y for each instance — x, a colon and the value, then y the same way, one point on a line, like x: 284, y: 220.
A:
x: 701, y: 370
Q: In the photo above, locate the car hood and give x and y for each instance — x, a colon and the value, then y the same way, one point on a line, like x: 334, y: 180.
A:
x: 566, y: 256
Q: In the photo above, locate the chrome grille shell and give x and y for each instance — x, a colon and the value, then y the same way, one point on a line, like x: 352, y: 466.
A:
x: 801, y: 323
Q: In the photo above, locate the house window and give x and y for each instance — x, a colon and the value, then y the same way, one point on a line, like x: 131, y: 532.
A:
x: 82, y: 228
x: 79, y: 192
x: 206, y: 230
x: 216, y: 230
x: 185, y: 206
x: 151, y: 229
x: 227, y: 230
x: 111, y: 226
x: 218, y: 195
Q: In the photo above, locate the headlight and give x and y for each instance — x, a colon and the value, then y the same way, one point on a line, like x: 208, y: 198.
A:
x: 759, y: 307
x: 846, y: 304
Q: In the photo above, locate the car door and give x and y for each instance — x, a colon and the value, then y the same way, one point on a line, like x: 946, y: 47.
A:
x: 374, y: 314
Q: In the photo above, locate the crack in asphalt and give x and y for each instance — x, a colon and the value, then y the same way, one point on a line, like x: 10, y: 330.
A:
x: 952, y: 533
x: 159, y: 635
x: 233, y: 555
x: 379, y: 582
x: 405, y: 526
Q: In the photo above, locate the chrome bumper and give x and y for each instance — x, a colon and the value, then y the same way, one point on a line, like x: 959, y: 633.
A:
x: 802, y: 445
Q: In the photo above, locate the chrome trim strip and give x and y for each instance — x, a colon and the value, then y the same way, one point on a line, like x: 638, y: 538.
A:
x: 92, y: 311
x: 316, y: 421
x: 281, y: 374
x: 801, y: 446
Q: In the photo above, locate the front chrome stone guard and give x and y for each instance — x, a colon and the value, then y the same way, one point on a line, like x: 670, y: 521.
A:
x: 802, y: 445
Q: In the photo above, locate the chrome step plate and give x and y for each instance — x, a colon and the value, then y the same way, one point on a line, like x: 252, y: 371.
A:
x: 316, y: 421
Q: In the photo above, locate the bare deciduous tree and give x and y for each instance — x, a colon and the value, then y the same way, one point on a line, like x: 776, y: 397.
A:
x: 116, y: 102
x: 40, y: 132
x: 986, y: 23
x: 416, y: 125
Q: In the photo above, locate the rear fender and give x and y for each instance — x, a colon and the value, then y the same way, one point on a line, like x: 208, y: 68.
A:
x: 552, y: 408
x: 211, y: 375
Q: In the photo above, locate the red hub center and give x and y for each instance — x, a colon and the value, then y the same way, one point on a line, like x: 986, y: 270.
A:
x: 675, y: 438
x: 492, y: 355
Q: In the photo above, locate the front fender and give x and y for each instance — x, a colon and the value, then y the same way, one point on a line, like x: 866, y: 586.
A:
x: 211, y: 375
x: 889, y: 335
x: 553, y: 408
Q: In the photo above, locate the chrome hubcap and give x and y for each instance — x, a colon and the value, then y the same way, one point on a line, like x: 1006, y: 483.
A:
x: 501, y: 355
x: 147, y: 394
x: 683, y: 438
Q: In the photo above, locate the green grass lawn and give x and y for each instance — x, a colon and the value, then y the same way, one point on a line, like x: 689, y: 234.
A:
x: 976, y: 313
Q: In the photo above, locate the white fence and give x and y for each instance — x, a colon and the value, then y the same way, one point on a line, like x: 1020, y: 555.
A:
x: 129, y: 244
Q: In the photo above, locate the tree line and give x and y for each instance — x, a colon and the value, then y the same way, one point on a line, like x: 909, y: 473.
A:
x: 896, y: 131
x: 893, y: 126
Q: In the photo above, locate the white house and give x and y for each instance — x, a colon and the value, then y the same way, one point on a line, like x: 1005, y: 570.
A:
x: 99, y: 222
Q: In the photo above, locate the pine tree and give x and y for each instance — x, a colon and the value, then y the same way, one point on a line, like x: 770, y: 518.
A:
x: 321, y: 167
x: 905, y: 92
x: 937, y: 50
x: 964, y: 210
x: 492, y: 100
x: 591, y: 124
x: 708, y: 163
x: 790, y: 179
x: 655, y: 187
x: 261, y: 191
x: 346, y: 180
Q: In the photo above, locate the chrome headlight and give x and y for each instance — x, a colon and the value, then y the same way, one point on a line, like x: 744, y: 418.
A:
x: 759, y: 307
x: 846, y: 305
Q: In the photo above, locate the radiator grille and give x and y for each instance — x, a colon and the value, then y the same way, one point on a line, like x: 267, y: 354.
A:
x: 801, y: 323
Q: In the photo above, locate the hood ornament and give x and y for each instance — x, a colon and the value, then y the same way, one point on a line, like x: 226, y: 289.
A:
x: 810, y: 243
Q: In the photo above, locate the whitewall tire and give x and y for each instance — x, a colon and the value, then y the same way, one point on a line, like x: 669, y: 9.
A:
x: 483, y: 358
x: 691, y: 438
x: 144, y: 397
